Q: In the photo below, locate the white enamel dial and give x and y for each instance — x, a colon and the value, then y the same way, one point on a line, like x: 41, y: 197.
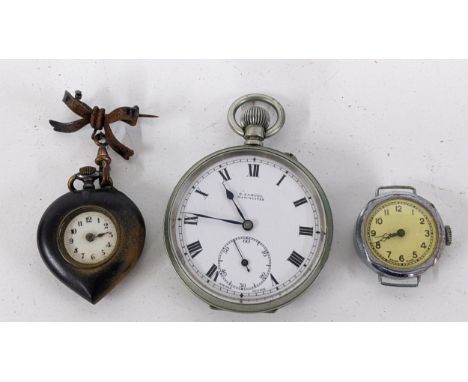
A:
x: 90, y: 237
x: 249, y: 211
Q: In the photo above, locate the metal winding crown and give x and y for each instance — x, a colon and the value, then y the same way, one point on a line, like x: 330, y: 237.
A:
x: 448, y: 235
x: 87, y: 170
x: 257, y: 116
x: 254, y: 124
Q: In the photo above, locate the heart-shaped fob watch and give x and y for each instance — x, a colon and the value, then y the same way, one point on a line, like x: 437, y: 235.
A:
x: 90, y: 238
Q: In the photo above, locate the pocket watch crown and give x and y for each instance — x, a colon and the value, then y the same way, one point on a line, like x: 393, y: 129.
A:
x: 257, y: 116
x: 448, y: 235
x: 87, y: 170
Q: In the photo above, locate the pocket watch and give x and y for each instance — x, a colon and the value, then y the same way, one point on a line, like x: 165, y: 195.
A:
x: 248, y: 228
x: 90, y: 238
x: 399, y: 235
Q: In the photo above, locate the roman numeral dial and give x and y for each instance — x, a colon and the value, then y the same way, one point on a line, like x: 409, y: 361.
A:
x: 198, y: 191
x: 213, y: 272
x: 194, y: 248
x: 254, y: 170
x: 193, y: 220
x: 258, y: 261
x: 300, y: 202
x: 280, y: 180
x: 306, y: 231
x: 296, y: 259
x: 273, y: 280
x: 224, y: 174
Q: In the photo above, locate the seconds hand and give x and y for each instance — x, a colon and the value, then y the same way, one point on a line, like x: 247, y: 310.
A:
x: 244, y: 262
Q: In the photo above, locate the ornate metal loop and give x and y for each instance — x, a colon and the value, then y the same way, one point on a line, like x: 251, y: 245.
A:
x: 269, y: 131
x: 103, y: 160
x: 71, y: 183
x: 99, y: 138
x: 97, y: 119
x: 87, y: 175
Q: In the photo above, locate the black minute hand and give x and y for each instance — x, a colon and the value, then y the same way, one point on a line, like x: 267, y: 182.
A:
x: 211, y: 217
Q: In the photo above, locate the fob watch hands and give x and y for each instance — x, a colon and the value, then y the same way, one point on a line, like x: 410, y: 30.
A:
x: 104, y: 233
x: 91, y: 236
x: 211, y: 217
x: 244, y: 262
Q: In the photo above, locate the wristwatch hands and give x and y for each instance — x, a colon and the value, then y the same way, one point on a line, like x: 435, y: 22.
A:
x: 401, y: 232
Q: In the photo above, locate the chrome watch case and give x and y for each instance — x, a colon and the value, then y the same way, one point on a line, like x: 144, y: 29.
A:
x: 387, y: 275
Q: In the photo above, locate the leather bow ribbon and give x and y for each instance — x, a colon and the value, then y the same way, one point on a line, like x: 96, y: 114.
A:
x: 98, y: 119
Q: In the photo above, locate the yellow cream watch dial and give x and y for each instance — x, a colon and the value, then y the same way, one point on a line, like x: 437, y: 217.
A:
x: 401, y: 233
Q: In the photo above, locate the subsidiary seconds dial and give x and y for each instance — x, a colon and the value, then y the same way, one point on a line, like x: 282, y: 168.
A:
x: 244, y: 263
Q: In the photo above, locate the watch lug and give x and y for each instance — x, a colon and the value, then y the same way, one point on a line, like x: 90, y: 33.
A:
x: 386, y: 281
x: 395, y: 188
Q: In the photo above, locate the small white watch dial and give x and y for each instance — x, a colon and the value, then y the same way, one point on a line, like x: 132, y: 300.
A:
x: 90, y: 237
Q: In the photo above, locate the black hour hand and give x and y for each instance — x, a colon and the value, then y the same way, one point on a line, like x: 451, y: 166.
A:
x: 230, y: 196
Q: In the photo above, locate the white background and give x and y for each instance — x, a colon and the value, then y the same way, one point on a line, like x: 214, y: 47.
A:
x: 355, y: 124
